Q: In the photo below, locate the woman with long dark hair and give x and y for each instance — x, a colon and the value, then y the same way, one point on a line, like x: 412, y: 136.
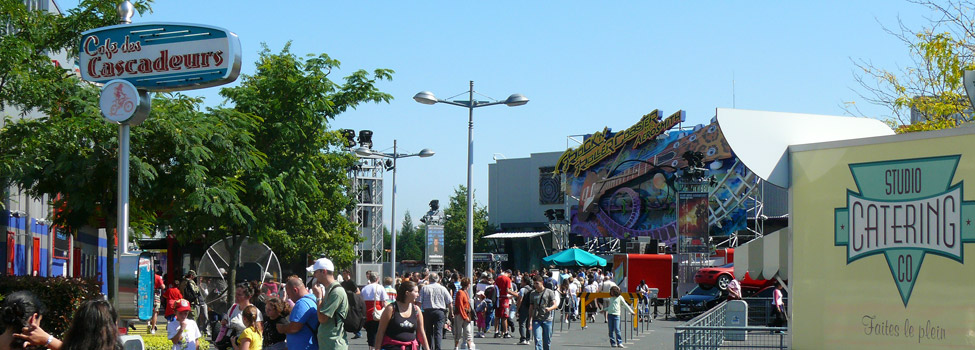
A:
x: 92, y: 328
x: 401, y: 326
x: 20, y: 310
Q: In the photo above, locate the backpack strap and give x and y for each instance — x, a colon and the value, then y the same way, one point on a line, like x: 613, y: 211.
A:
x: 334, y: 286
x: 306, y: 323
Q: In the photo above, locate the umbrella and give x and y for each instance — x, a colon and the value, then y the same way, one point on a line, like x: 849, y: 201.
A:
x: 574, y: 257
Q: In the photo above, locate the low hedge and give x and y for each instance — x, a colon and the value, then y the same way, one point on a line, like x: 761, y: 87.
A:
x: 160, y: 342
x: 60, y: 295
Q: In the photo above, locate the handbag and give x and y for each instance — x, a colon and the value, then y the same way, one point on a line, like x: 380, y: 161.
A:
x: 377, y: 313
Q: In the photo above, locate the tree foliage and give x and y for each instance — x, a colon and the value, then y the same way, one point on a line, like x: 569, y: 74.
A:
x: 455, y: 229
x: 28, y: 79
x: 267, y: 167
x: 410, y: 243
x: 932, y: 84
x: 300, y: 196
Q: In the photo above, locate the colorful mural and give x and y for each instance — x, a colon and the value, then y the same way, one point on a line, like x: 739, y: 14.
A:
x: 633, y: 190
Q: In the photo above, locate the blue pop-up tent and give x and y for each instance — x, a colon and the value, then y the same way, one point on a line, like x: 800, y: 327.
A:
x: 574, y: 257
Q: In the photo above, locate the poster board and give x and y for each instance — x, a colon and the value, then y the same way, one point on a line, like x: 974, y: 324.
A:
x: 435, y: 245
x: 880, y: 231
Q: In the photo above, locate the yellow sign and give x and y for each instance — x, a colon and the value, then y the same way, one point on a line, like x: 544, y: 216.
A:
x: 597, y: 147
x: 880, y: 230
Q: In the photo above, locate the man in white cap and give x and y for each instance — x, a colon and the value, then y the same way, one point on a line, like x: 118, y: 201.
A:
x: 333, y: 306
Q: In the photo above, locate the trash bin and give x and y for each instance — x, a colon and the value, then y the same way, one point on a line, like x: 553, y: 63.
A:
x: 736, y: 315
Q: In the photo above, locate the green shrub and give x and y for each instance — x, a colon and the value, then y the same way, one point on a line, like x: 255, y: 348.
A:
x: 160, y: 342
x: 60, y: 295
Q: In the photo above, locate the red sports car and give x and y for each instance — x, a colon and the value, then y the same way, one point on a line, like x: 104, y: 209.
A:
x: 720, y: 276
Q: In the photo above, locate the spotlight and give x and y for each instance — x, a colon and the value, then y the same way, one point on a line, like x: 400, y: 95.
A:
x: 550, y: 214
x: 349, y: 136
x: 365, y: 138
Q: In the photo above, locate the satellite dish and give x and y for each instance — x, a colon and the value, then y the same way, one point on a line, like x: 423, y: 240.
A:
x: 256, y: 260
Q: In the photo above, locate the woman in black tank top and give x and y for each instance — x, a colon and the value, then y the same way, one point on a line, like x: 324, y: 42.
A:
x: 401, y: 326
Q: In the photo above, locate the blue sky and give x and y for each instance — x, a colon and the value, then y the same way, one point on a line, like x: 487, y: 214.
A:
x: 584, y: 65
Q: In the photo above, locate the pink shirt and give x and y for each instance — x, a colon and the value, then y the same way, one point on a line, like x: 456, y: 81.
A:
x: 777, y: 298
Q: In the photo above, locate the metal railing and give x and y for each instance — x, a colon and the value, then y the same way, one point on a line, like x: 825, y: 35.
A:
x: 760, y: 311
x: 708, y: 331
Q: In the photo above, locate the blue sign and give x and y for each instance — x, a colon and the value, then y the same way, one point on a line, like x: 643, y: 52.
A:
x: 146, y: 282
x: 160, y: 56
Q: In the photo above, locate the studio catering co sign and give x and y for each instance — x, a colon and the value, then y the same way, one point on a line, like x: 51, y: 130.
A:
x: 905, y: 210
x: 160, y: 56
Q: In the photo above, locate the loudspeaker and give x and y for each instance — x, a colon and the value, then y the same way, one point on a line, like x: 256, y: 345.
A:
x: 652, y: 247
x: 635, y: 247
x: 576, y: 240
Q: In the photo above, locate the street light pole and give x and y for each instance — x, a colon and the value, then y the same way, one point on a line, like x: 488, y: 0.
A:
x: 470, y: 189
x: 428, y: 98
x: 392, y: 221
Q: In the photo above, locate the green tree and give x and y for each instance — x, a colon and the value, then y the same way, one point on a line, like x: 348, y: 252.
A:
x: 932, y: 84
x: 455, y: 229
x: 70, y: 154
x: 410, y: 245
x: 300, y: 197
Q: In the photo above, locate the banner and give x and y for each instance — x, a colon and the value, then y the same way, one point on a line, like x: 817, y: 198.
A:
x: 435, y: 245
x: 692, y: 218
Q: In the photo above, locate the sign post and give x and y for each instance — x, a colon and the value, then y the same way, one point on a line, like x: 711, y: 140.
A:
x: 132, y: 60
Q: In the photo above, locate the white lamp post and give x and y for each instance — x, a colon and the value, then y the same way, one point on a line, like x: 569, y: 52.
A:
x: 368, y: 153
x: 427, y: 98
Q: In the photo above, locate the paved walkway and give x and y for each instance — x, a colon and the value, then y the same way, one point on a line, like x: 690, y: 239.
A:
x: 659, y: 334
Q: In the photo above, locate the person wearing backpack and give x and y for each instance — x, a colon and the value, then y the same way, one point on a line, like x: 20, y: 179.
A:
x: 356, y: 318
x: 300, y: 332
x: 333, y: 306
x: 435, y: 300
x: 491, y: 293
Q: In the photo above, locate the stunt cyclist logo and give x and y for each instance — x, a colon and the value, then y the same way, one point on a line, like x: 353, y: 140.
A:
x: 122, y: 101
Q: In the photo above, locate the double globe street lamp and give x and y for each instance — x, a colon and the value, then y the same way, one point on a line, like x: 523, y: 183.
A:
x: 369, y: 153
x: 427, y: 98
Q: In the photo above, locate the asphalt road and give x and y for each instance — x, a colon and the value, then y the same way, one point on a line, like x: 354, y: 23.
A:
x: 659, y: 334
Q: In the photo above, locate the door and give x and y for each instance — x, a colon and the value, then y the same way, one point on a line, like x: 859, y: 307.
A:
x: 76, y: 263
x: 10, y: 253
x: 36, y: 257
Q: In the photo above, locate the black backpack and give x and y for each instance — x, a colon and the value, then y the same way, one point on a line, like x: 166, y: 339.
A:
x: 356, y: 317
x: 491, y: 292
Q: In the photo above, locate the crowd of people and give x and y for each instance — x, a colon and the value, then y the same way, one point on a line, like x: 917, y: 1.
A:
x: 326, y: 309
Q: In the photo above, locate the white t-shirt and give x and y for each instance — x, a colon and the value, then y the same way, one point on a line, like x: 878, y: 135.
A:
x: 592, y: 287
x: 607, y: 285
x: 373, y: 292
x: 190, y: 334
x: 573, y: 289
x: 237, y: 320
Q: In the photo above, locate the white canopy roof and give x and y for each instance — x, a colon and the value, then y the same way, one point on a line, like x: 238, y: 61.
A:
x: 761, y: 139
x: 765, y: 257
x: 502, y: 235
